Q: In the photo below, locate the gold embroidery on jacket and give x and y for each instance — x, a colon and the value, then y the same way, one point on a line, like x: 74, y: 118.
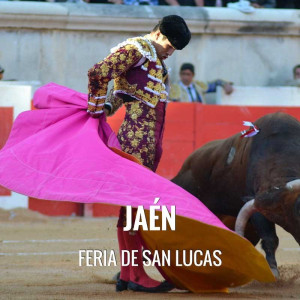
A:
x: 121, y: 84
x: 151, y: 92
x: 135, y: 131
x: 115, y: 66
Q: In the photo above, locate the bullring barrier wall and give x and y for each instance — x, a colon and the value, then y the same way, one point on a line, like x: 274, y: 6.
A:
x: 188, y: 126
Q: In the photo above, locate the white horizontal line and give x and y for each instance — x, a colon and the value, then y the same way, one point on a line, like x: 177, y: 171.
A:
x: 37, y: 253
x: 54, y: 241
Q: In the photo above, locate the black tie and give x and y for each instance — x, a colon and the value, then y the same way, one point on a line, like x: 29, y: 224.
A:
x: 190, y: 92
x: 198, y: 98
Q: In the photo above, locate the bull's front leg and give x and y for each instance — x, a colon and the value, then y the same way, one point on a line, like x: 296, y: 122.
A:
x: 267, y: 232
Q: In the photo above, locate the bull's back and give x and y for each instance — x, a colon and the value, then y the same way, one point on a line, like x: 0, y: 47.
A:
x: 194, y: 174
x: 224, y: 172
x: 215, y: 173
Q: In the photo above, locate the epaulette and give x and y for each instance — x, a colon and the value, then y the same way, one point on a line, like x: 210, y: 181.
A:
x: 175, y: 92
x: 201, y: 84
x: 142, y: 44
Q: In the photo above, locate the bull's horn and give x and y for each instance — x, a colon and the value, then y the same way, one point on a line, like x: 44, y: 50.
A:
x: 291, y: 185
x: 245, y: 213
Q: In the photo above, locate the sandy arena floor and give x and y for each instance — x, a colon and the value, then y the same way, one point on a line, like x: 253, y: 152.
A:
x: 39, y: 260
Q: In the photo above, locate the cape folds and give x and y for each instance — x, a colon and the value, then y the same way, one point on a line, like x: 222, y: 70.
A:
x: 58, y: 152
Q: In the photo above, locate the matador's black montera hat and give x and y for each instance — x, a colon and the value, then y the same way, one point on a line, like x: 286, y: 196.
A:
x: 176, y: 31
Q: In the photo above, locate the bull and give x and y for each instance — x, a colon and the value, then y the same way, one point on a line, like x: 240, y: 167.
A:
x: 255, y: 179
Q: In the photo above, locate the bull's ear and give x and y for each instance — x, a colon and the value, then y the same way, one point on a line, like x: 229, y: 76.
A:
x: 297, y: 208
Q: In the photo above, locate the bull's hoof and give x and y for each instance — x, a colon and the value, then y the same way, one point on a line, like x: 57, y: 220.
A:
x: 275, y: 272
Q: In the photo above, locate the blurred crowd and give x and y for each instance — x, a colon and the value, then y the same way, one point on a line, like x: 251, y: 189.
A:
x: 216, y: 3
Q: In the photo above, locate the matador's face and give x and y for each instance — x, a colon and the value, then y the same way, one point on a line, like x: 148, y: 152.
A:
x: 163, y: 47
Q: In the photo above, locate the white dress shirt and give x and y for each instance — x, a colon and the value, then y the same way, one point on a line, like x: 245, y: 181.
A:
x: 191, y: 91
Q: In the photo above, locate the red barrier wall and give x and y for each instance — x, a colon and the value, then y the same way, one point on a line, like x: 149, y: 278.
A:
x: 56, y: 208
x: 188, y: 126
x: 6, y: 121
x: 191, y: 125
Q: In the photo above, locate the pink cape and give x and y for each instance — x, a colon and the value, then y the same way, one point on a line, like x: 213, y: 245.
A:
x: 59, y: 152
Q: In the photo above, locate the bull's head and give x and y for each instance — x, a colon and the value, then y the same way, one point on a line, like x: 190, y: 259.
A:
x: 280, y: 205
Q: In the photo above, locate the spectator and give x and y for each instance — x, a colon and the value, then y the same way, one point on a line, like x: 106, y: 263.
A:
x: 266, y: 4
x: 254, y: 3
x: 263, y: 3
x: 216, y: 2
x: 285, y: 4
x: 126, y: 2
x: 296, y: 75
x: 190, y: 90
x: 182, y: 2
x: 296, y: 72
x: 95, y: 1
x: 1, y: 73
x: 288, y: 4
x: 140, y: 2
